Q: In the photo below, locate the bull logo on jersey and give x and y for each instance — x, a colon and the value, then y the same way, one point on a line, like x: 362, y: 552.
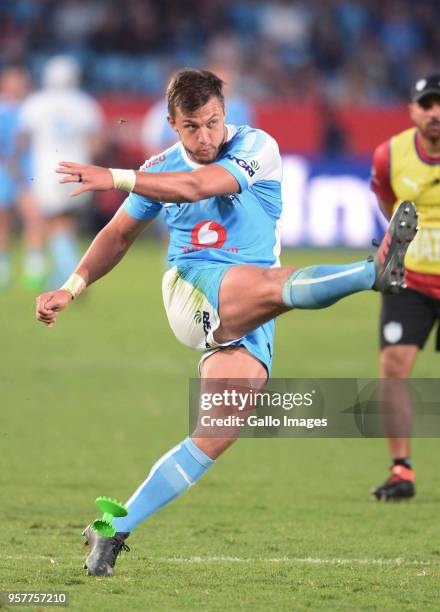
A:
x: 208, y: 234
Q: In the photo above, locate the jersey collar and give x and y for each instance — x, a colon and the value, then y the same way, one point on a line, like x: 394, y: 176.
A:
x: 423, y: 156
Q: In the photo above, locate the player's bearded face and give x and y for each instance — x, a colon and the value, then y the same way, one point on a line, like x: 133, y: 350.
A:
x: 426, y: 116
x: 201, y: 132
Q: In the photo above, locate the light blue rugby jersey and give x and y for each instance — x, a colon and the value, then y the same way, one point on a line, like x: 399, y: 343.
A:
x: 9, y: 128
x: 236, y: 229
x: 9, y: 122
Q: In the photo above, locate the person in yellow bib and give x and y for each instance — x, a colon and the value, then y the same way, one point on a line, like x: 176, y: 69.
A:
x: 407, y: 166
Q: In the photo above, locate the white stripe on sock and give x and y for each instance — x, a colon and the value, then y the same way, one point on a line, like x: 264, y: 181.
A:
x: 184, y: 475
x: 320, y: 279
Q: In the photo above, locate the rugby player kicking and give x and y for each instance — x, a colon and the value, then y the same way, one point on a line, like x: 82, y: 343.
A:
x: 221, y: 188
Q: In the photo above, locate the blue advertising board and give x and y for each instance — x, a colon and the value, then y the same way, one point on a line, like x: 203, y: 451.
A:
x: 328, y: 202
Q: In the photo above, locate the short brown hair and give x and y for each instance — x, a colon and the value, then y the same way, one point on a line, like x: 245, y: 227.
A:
x: 190, y: 89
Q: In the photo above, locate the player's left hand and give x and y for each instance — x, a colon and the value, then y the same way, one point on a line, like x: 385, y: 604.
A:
x: 90, y: 178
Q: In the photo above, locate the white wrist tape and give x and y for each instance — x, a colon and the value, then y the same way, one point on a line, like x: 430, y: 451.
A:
x: 75, y: 285
x: 123, y: 179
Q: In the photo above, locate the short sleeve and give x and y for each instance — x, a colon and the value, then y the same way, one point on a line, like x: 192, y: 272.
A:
x: 141, y: 208
x: 381, y: 174
x: 253, y: 157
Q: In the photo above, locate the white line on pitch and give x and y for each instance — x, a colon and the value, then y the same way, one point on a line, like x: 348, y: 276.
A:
x: 306, y: 560
x: 221, y: 559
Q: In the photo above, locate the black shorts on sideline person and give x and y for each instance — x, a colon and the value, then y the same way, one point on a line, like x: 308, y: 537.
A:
x: 408, y: 318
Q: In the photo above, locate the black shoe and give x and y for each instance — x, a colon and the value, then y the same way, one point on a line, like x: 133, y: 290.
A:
x: 389, y: 259
x: 102, y: 557
x: 398, y: 487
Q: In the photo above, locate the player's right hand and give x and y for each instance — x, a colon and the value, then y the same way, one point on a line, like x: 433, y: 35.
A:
x: 91, y: 178
x: 50, y: 303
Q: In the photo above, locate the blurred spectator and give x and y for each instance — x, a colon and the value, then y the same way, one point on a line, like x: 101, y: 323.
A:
x: 61, y: 123
x: 131, y: 50
x: 400, y: 32
x: 14, y: 173
x: 333, y: 137
x: 157, y: 134
x: 75, y: 21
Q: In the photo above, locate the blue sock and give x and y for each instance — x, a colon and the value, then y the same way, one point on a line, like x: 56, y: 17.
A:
x: 169, y: 477
x: 322, y: 286
x: 64, y: 252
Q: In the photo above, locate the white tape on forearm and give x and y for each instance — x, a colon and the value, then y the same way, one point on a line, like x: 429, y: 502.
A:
x: 75, y: 285
x: 123, y: 179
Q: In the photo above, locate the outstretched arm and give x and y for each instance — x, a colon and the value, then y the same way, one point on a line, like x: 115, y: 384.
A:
x: 177, y: 187
x: 107, y: 249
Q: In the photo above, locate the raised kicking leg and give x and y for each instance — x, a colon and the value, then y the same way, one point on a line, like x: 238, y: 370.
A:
x: 265, y: 293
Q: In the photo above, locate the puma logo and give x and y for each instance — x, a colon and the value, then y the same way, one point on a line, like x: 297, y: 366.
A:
x: 410, y: 183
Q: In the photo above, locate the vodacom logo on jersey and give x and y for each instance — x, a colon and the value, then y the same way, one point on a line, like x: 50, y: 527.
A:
x: 207, y: 235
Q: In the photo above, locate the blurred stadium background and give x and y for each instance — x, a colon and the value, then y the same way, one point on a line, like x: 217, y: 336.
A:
x: 83, y: 405
x: 328, y: 79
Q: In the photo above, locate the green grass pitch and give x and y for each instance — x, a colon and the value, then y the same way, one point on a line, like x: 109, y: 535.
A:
x: 283, y: 524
